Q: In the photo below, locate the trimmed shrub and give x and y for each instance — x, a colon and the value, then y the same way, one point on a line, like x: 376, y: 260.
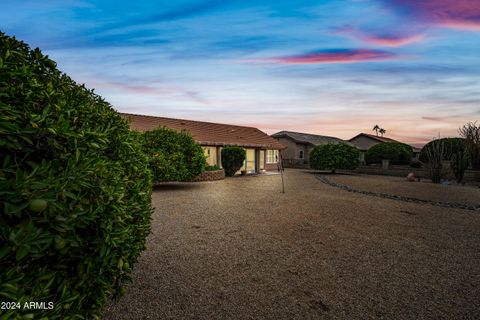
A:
x: 334, y: 156
x: 396, y: 152
x: 174, y: 156
x: 232, y: 159
x: 75, y: 190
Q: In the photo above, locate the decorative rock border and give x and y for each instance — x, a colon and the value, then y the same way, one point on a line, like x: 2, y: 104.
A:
x: 210, y: 176
x: 452, y: 205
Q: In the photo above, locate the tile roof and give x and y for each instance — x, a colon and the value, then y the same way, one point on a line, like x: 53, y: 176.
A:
x: 372, y: 136
x: 207, y: 133
x: 314, y: 139
x: 383, y: 139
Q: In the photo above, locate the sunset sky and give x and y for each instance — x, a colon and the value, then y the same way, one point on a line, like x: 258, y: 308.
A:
x: 327, y: 67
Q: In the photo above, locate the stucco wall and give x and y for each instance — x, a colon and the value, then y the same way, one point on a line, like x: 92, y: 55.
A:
x: 211, y: 154
x: 364, y: 143
x: 291, y: 148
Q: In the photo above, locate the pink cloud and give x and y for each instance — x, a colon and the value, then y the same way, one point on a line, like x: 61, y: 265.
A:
x: 388, y: 39
x: 334, y: 56
x: 459, y: 14
x: 391, y: 40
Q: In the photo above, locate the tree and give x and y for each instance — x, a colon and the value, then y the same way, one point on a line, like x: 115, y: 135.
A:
x: 232, y: 159
x: 334, y: 156
x: 382, y: 131
x: 471, y: 133
x: 396, y: 152
x: 376, y: 128
x: 75, y: 191
x: 173, y: 155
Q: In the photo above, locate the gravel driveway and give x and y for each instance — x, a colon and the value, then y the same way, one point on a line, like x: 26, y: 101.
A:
x: 240, y: 249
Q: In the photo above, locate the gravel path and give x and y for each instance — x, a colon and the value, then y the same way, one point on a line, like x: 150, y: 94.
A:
x: 240, y: 249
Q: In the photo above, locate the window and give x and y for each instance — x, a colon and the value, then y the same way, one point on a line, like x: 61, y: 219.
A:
x: 300, y: 156
x: 272, y: 156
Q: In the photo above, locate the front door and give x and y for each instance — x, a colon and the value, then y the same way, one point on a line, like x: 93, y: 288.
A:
x: 250, y: 161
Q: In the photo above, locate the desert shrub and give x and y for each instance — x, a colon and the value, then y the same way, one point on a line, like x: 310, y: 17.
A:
x: 334, y: 156
x: 174, y: 156
x: 415, y: 163
x: 459, y: 163
x: 434, y: 153
x: 471, y: 133
x: 75, y: 190
x: 453, y: 150
x: 232, y: 159
x: 450, y: 146
x: 396, y: 152
x: 212, y: 168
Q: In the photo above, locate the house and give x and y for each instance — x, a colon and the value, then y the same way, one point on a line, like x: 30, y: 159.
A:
x: 262, y: 150
x: 365, y: 141
x: 299, y: 145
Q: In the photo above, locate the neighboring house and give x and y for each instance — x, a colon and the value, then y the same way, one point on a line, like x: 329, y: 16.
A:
x: 365, y: 141
x: 299, y: 145
x: 262, y: 150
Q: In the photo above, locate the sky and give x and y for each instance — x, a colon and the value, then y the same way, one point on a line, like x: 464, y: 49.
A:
x: 325, y: 67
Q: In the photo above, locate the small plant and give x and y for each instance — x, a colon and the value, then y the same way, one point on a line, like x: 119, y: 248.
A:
x: 232, y: 159
x: 395, y: 152
x: 174, y: 156
x: 334, y: 156
x: 212, y: 168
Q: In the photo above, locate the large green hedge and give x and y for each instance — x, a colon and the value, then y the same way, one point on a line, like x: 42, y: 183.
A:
x: 334, y: 156
x: 174, y: 156
x: 396, y: 152
x: 232, y: 159
x: 75, y: 190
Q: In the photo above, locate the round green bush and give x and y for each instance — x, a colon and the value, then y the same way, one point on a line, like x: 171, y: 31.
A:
x: 174, y: 156
x: 334, y: 156
x: 75, y: 191
x: 232, y: 159
x: 450, y: 147
x: 396, y: 152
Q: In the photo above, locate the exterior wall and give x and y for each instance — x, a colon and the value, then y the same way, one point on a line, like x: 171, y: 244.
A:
x: 211, y: 154
x: 364, y: 143
x: 290, y: 152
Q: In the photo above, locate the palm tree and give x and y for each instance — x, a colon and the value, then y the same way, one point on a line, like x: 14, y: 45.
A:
x: 376, y: 128
x: 382, y: 131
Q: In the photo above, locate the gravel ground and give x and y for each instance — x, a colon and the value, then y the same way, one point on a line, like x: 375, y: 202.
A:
x: 422, y: 190
x: 240, y: 249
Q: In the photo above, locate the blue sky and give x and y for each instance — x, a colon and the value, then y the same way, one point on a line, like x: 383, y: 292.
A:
x: 327, y: 67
